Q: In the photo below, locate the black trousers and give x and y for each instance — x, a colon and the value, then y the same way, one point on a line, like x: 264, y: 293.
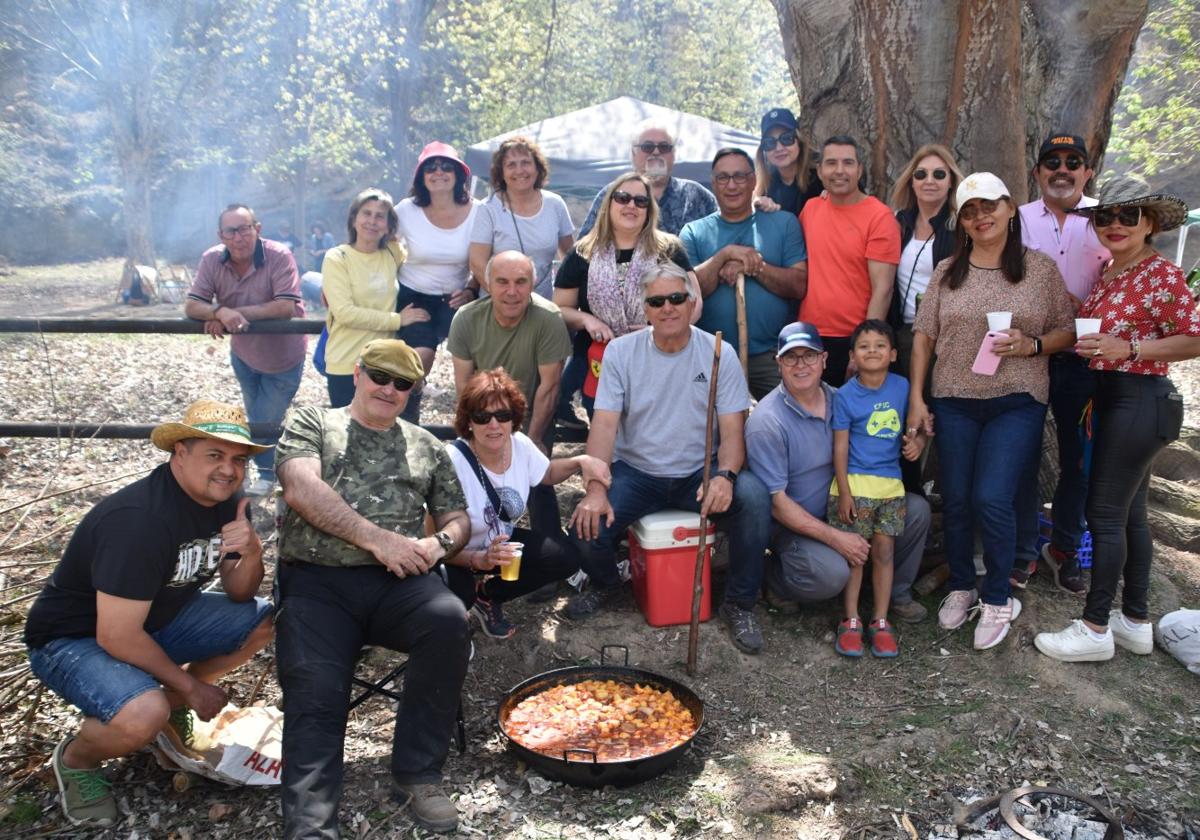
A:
x: 1135, y: 417
x: 546, y: 558
x: 324, y: 618
x: 838, y: 349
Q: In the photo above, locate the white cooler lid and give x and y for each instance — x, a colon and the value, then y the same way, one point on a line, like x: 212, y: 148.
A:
x: 666, y: 529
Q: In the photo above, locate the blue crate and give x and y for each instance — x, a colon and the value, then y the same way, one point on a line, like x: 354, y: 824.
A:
x: 1085, y: 543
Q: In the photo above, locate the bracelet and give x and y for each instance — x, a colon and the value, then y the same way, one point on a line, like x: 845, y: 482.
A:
x: 1037, y: 346
x: 1135, y: 349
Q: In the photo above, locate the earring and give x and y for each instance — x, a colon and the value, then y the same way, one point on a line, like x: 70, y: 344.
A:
x: 1010, y: 224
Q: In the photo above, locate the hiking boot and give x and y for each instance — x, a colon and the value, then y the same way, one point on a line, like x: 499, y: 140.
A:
x: 994, y: 622
x: 431, y: 807
x: 910, y: 612
x: 779, y: 603
x: 883, y: 640
x: 1075, y: 643
x: 743, y: 628
x: 491, y: 618
x: 1067, y: 575
x: 180, y: 732
x: 1135, y: 637
x: 86, y: 797
x: 952, y: 614
x: 591, y: 599
x: 849, y: 640
x: 1022, y: 571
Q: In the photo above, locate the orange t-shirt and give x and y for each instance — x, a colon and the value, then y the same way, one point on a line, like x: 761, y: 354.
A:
x: 840, y: 240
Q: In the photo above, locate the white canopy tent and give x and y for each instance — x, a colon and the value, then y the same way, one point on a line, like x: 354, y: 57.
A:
x: 589, y: 147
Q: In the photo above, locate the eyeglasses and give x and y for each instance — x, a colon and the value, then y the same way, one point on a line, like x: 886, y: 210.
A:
x: 938, y: 174
x: 648, y: 148
x: 788, y: 138
x: 1072, y: 162
x: 986, y: 207
x: 793, y: 359
x: 438, y: 165
x: 1127, y: 216
x: 675, y: 299
x: 482, y: 418
x: 736, y: 177
x: 380, y: 377
x: 235, y: 232
x: 639, y: 201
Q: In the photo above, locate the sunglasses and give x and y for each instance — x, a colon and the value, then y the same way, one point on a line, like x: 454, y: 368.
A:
x: 380, y: 377
x: 438, y: 165
x: 235, y: 232
x: 482, y: 418
x: 986, y: 207
x: 1072, y: 162
x: 675, y: 299
x: 938, y: 174
x: 788, y: 138
x: 1127, y: 216
x: 648, y: 148
x: 639, y: 201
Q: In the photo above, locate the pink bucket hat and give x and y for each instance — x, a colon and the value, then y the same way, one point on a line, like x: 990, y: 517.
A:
x: 443, y: 150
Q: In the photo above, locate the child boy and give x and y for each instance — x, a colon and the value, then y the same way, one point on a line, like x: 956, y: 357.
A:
x: 867, y: 494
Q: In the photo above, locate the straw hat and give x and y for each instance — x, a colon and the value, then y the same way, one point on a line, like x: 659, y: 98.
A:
x: 207, y: 419
x: 1132, y: 191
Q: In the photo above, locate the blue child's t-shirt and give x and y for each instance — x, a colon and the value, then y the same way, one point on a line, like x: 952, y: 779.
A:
x: 875, y: 418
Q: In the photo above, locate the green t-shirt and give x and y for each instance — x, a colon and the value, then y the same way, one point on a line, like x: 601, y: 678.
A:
x: 388, y: 478
x: 540, y: 339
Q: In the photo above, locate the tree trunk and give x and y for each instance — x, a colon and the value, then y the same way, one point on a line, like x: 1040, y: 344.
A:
x: 989, y: 78
x: 408, y: 16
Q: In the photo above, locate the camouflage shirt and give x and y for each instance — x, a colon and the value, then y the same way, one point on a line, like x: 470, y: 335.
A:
x: 387, y: 477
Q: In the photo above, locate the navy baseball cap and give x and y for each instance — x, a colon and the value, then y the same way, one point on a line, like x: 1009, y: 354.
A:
x: 799, y: 334
x: 778, y: 116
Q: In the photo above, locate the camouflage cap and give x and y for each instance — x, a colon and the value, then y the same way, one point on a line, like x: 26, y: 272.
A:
x: 393, y: 356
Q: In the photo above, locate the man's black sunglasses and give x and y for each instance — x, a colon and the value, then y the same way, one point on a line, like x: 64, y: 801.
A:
x: 675, y: 299
x: 1072, y: 162
x: 380, y: 377
x: 788, y: 138
x: 482, y: 418
x: 648, y: 148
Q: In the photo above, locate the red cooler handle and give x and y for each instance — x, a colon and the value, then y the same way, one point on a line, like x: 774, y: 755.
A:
x: 681, y: 533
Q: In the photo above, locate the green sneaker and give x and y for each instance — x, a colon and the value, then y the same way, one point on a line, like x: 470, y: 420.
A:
x: 179, y: 730
x: 86, y: 797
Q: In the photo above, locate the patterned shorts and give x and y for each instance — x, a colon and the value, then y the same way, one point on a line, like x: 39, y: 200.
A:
x: 875, y: 516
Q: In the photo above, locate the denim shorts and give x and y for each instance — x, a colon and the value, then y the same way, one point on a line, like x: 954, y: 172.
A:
x: 85, y: 675
x: 429, y: 333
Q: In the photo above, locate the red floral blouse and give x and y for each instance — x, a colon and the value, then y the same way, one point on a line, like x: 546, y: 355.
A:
x: 1145, y: 301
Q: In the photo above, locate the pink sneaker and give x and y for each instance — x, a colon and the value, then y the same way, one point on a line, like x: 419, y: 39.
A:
x: 952, y: 614
x: 994, y: 622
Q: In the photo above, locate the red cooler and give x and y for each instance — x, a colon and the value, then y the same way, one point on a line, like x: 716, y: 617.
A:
x: 662, y: 562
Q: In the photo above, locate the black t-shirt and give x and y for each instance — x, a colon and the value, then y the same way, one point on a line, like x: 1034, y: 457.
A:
x: 788, y: 196
x: 149, y: 541
x: 573, y: 274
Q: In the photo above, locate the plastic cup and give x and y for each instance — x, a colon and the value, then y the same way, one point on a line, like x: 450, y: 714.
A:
x: 1086, y: 326
x: 999, y: 321
x: 513, y: 570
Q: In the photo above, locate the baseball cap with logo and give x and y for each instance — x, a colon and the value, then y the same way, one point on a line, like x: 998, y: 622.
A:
x: 778, y: 116
x: 799, y: 334
x: 1059, y: 141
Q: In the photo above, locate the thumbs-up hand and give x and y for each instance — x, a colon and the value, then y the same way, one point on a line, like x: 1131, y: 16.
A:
x: 238, y: 536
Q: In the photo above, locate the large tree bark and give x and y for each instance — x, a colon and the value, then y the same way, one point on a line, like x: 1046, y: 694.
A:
x: 989, y: 78
x: 409, y: 16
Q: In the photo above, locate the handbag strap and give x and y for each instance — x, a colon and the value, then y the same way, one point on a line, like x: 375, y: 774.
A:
x: 493, y: 496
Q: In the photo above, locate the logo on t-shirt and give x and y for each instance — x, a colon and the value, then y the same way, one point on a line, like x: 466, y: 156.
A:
x: 884, y: 424
x: 700, y: 377
x: 198, y: 560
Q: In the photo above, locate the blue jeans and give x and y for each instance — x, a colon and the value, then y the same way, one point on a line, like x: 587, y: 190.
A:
x: 985, y: 447
x: 634, y: 494
x: 573, y: 377
x: 267, y: 397
x: 85, y: 675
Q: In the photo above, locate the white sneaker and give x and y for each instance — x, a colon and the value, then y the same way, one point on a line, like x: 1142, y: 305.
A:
x: 1076, y: 644
x: 1140, y: 640
x: 952, y: 614
x: 993, y: 623
x: 260, y: 487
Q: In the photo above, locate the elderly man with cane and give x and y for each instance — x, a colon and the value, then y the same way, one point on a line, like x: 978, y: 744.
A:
x: 655, y: 446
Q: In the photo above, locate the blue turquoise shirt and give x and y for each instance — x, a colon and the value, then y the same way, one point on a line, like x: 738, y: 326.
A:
x: 875, y: 418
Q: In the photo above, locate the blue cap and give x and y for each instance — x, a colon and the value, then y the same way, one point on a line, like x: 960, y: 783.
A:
x: 799, y: 334
x: 778, y: 116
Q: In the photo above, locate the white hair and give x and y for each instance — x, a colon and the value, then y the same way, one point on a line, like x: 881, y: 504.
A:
x: 648, y: 124
x: 666, y: 269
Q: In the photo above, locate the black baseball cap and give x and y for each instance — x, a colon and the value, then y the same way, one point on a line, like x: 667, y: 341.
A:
x: 778, y: 116
x: 1058, y: 141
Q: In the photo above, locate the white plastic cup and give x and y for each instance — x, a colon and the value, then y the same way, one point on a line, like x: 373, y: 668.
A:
x: 513, y: 570
x: 998, y: 321
x: 1087, y: 326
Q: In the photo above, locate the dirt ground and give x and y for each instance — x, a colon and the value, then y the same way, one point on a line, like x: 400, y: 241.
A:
x: 797, y: 742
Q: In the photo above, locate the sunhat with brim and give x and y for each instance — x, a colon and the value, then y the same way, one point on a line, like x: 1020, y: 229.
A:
x: 207, y: 419
x: 982, y: 185
x: 442, y: 150
x: 1132, y: 191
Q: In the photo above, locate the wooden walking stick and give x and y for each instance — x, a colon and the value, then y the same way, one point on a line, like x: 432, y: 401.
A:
x: 698, y: 581
x: 743, y: 330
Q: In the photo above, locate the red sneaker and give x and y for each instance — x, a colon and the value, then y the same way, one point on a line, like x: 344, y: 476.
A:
x: 849, y: 638
x: 883, y: 640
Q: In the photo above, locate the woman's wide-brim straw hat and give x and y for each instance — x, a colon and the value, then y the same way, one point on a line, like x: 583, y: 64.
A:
x: 1132, y: 191
x: 207, y: 419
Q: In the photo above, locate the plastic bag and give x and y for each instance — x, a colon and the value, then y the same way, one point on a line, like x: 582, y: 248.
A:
x: 1178, y: 633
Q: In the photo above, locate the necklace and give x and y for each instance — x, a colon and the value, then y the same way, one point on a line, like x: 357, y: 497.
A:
x: 505, y: 457
x: 1114, y: 269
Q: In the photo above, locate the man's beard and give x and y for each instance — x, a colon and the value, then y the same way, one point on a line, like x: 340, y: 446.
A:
x: 656, y: 168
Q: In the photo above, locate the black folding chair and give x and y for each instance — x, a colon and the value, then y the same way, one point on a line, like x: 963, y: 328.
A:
x: 381, y: 687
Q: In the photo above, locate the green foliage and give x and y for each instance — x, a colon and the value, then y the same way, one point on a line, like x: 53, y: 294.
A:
x: 1156, y: 125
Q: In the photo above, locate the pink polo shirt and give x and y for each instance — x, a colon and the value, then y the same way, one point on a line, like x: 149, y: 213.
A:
x: 273, y: 277
x: 1075, y: 249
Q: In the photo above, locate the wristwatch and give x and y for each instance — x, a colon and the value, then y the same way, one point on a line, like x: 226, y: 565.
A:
x: 445, y: 541
x: 728, y: 475
x: 1037, y: 346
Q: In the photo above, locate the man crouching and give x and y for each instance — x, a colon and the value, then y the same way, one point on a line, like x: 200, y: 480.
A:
x: 122, y: 615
